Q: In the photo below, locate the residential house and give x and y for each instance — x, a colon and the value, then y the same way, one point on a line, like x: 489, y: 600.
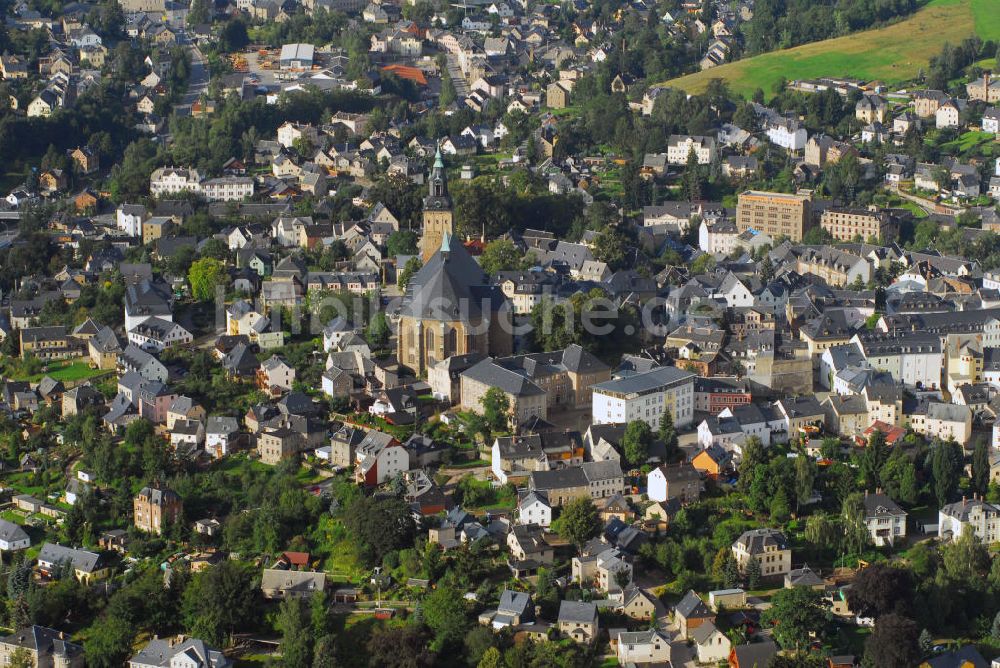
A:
x: 769, y: 547
x: 279, y: 584
x: 179, y: 652
x: 690, y: 613
x: 680, y: 481
x: 155, y: 508
x: 578, y: 620
x: 42, y: 647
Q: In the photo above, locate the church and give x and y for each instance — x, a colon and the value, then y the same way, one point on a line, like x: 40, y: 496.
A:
x: 450, y: 308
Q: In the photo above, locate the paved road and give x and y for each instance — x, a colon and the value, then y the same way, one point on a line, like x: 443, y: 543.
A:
x: 198, y: 81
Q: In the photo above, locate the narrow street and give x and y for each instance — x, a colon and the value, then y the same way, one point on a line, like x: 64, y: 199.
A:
x: 198, y: 81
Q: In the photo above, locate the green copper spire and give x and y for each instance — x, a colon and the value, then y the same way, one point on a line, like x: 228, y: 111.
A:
x: 438, y: 162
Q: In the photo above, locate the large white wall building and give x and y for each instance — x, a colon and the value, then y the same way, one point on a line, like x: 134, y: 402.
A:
x: 645, y: 396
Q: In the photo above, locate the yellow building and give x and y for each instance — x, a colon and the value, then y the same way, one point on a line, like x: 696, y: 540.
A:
x: 775, y: 214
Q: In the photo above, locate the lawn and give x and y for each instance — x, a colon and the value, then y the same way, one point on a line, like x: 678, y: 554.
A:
x: 66, y: 372
x: 892, y: 54
x: 969, y: 141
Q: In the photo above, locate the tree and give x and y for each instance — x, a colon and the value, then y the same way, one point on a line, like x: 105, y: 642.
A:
x: 794, y: 614
x: 926, y: 642
x: 805, y: 477
x: 579, y: 521
x: 611, y: 247
x: 821, y: 531
x: 296, y: 634
x: 981, y: 467
x: 753, y: 573
x: 200, y: 12
x: 946, y: 465
x: 856, y: 533
x: 109, y: 643
x: 324, y: 655
x: 378, y: 330
x: 636, y: 441
x: 702, y: 264
x: 218, y: 601
x: 445, y: 615
x: 399, y: 647
x: 499, y: 255
x: 234, y: 36
x: 966, y: 560
x: 893, y: 643
x: 754, y: 456
x: 692, y: 176
x: 872, y: 459
x: 412, y: 266
x: 204, y: 275
x: 766, y: 269
x: 668, y: 434
x: 21, y: 658
x: 401, y: 242
x: 491, y: 659
x: 496, y: 409
x: 879, y: 590
x: 379, y: 526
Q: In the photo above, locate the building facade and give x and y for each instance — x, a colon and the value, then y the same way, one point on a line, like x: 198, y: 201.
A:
x: 775, y: 214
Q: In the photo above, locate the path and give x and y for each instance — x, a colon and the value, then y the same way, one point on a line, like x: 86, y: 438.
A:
x: 457, y: 78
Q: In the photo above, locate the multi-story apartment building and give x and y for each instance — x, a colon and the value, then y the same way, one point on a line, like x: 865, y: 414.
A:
x: 153, y: 508
x: 845, y: 223
x: 769, y: 547
x: 173, y: 180
x: 975, y: 515
x: 228, y: 188
x: 680, y: 146
x: 775, y: 214
x: 646, y: 396
x: 885, y: 520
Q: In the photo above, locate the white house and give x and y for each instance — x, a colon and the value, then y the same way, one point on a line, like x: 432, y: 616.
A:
x: 13, y: 537
x: 787, y: 133
x: 643, y: 647
x: 221, y: 433
x: 534, y: 508
x: 173, y: 180
x: 886, y: 521
x: 155, y: 334
x: 129, y: 219
x: 991, y: 120
x: 680, y: 146
x: 975, y: 515
x: 378, y: 458
x: 713, y: 645
x: 949, y: 113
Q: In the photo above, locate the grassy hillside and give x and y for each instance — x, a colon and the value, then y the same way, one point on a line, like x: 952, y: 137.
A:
x: 891, y: 54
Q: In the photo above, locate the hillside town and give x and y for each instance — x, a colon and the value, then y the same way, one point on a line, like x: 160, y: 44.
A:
x: 379, y: 334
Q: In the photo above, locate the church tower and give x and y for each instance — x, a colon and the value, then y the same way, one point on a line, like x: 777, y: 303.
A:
x: 437, y: 211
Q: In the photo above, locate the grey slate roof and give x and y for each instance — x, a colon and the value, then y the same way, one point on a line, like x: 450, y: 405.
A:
x: 160, y: 653
x: 11, y: 532
x: 82, y: 560
x: 577, y: 612
x: 692, y: 606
